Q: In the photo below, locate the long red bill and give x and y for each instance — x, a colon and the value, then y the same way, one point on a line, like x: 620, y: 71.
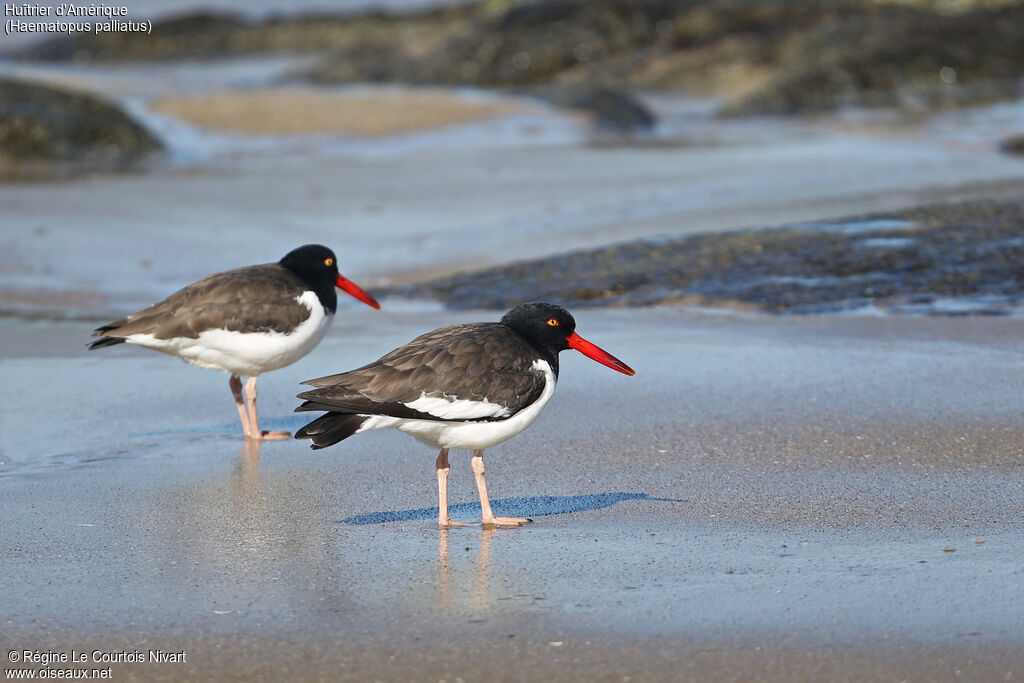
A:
x: 354, y: 289
x: 597, y: 353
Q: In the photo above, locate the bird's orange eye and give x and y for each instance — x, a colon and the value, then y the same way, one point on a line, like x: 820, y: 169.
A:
x: 553, y: 322
x: 328, y: 262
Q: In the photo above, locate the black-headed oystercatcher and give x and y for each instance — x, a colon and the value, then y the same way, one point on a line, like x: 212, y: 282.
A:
x: 468, y: 386
x: 245, y: 321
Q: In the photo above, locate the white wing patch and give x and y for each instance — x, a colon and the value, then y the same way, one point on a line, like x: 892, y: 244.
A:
x: 468, y: 435
x: 450, y: 408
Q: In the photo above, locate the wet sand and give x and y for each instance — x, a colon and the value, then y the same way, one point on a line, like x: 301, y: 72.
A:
x: 768, y: 498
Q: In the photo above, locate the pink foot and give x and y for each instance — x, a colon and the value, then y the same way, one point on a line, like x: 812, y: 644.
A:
x: 507, y: 521
x: 450, y: 524
x: 272, y: 435
x: 275, y: 435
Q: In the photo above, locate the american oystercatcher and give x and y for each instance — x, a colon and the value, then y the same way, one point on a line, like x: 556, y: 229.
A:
x: 245, y: 321
x: 466, y: 386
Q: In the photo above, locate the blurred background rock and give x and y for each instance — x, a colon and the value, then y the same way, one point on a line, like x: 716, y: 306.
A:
x: 86, y: 102
x: 757, y: 56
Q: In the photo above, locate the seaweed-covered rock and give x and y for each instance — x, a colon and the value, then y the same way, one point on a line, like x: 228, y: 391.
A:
x: 769, y: 57
x: 520, y: 44
x: 895, y: 56
x: 208, y: 35
x: 43, y: 123
x: 762, y: 56
x: 918, y: 260
x: 202, y: 34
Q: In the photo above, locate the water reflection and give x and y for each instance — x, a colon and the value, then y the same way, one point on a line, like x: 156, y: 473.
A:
x: 477, y: 586
x: 242, y: 538
x: 247, y: 495
x: 248, y: 466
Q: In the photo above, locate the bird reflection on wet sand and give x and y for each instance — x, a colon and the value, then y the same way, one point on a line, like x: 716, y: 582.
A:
x: 481, y: 573
x: 248, y: 467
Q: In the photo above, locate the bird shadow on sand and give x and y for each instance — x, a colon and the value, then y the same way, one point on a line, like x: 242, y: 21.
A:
x: 534, y: 506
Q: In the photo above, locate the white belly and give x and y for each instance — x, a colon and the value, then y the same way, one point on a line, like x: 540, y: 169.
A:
x: 469, y: 435
x: 249, y: 354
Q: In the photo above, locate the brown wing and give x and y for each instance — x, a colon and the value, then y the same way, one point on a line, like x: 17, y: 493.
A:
x: 477, y: 371
x: 251, y: 299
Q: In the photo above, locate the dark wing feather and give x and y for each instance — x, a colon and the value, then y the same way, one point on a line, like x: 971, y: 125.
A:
x: 251, y: 299
x: 469, y: 362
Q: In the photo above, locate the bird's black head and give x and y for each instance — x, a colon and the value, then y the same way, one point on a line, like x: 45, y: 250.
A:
x: 546, y: 326
x: 318, y: 266
x: 549, y: 328
x: 314, y: 263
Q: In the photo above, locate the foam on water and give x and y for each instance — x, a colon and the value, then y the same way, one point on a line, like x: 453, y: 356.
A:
x: 887, y: 242
x: 859, y: 226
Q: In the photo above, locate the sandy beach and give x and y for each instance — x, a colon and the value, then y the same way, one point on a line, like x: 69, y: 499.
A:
x: 308, y: 110
x: 772, y: 499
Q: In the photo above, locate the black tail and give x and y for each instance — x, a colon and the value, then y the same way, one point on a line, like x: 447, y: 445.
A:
x: 106, y: 341
x: 331, y: 428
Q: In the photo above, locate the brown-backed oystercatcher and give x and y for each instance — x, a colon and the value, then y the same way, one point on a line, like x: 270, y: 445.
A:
x: 468, y: 386
x: 245, y: 321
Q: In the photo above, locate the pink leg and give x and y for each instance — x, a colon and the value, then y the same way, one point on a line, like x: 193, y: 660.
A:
x: 485, y: 503
x: 443, y: 520
x: 236, y: 390
x: 254, y: 422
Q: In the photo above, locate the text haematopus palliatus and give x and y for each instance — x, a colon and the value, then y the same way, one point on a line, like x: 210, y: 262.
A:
x: 245, y: 321
x: 466, y: 387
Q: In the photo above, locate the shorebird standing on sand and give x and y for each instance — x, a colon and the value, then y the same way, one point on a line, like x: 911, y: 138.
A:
x: 468, y: 386
x: 245, y: 321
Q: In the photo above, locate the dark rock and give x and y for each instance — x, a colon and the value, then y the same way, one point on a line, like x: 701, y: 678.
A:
x: 895, y: 56
x: 1013, y: 145
x: 767, y: 57
x: 613, y: 110
x: 207, y: 35
x: 370, y: 61
x: 763, y: 56
x: 524, y: 44
x: 42, y: 123
x: 905, y: 262
x: 200, y: 34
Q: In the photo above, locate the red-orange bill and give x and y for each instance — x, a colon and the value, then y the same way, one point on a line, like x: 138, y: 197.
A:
x: 597, y: 353
x: 354, y: 289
